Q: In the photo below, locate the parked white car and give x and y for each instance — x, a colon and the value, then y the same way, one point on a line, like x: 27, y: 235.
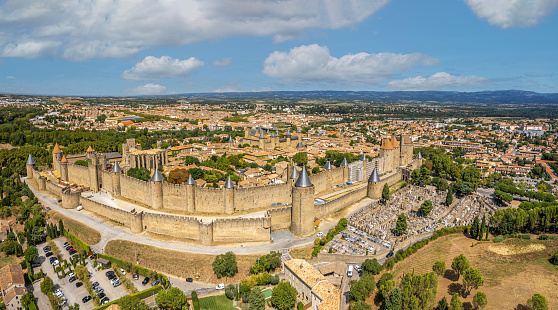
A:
x: 122, y: 271
x: 320, y: 234
x: 79, y: 208
x: 220, y: 286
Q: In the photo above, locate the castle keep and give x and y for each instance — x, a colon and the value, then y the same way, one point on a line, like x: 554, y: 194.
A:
x: 268, y: 141
x: 295, y: 198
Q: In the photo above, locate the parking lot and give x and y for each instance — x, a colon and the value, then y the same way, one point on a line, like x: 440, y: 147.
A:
x: 72, y: 293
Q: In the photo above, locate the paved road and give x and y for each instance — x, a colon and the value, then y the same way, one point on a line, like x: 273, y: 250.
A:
x: 282, y: 239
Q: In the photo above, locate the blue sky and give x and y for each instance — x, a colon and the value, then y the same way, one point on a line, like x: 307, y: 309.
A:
x: 135, y: 47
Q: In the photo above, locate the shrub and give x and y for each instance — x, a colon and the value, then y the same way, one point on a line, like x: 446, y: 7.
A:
x: 554, y: 259
x: 274, y: 280
x: 499, y: 238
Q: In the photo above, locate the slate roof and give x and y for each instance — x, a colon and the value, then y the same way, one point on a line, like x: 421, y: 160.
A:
x: 374, y: 177
x: 344, y: 162
x: 294, y: 174
x: 327, y: 165
x: 157, y: 176
x: 303, y: 179
x: 30, y: 160
x: 229, y: 183
x: 190, y: 181
x: 116, y: 168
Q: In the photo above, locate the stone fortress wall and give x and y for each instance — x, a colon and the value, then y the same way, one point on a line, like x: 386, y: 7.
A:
x: 287, y: 204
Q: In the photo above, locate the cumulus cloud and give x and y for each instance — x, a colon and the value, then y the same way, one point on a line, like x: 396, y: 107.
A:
x: 311, y: 63
x: 147, y: 89
x: 440, y: 80
x: 10, y: 77
x: 512, y: 13
x: 222, y: 62
x: 102, y: 28
x: 152, y: 68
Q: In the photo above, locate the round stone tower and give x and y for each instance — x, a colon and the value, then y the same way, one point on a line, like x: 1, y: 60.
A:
x: 30, y: 165
x: 157, y: 190
x: 115, y: 176
x: 374, y: 189
x: 229, y: 196
x: 302, y: 210
x: 190, y: 195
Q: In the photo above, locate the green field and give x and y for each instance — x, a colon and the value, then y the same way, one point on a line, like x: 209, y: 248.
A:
x: 220, y: 302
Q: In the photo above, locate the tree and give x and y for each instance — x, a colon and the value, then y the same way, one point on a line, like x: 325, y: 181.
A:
x: 300, y: 306
x: 418, y: 291
x: 362, y: 288
x: 61, y: 226
x: 361, y: 305
x: 178, y: 176
x: 27, y: 299
x: 439, y: 267
x: 472, y: 278
x: 371, y: 266
x: 394, y: 301
x: 139, y: 173
x: 225, y: 265
x: 47, y: 286
x: 443, y: 304
x: 385, y: 193
x: 426, y: 207
x: 191, y: 160
x: 300, y: 158
x: 475, y: 228
x: 401, y: 224
x: 37, y: 235
x: 456, y: 303
x: 449, y: 197
x: 130, y: 302
x: 257, y: 299
x: 31, y: 254
x: 480, y: 300
x: 537, y: 302
x: 81, y: 272
x: 173, y: 299
x: 460, y: 264
x: 283, y: 296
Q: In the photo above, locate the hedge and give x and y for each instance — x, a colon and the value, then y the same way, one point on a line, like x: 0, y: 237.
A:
x: 76, y: 241
x: 141, y: 295
x: 140, y: 270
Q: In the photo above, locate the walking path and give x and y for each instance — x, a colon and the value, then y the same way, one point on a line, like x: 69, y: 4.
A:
x: 282, y: 239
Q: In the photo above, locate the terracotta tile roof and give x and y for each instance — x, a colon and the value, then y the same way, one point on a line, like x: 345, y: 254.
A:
x: 11, y: 275
x: 386, y: 144
x: 56, y: 149
x: 329, y: 294
x: 308, y: 274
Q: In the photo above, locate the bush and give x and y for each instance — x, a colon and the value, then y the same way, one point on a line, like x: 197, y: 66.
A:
x: 274, y: 280
x: 499, y: 238
x: 554, y: 259
x: 225, y: 265
x: 140, y: 295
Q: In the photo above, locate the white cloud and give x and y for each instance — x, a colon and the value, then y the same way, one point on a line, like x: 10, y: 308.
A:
x: 309, y: 63
x: 230, y: 87
x: 10, y: 77
x: 147, y: 89
x: 222, y: 62
x: 440, y: 80
x: 152, y: 68
x: 512, y: 13
x: 105, y: 28
x: 29, y: 49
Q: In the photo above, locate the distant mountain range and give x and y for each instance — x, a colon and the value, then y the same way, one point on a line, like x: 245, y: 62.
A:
x: 516, y: 97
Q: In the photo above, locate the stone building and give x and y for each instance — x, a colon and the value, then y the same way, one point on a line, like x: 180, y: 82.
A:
x: 311, y: 286
x: 134, y: 157
x: 12, y: 284
x: 269, y: 141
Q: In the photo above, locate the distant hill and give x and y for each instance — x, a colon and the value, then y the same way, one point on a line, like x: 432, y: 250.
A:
x: 500, y: 97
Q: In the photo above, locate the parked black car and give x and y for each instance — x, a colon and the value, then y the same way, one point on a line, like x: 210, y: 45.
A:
x: 79, y: 284
x: 49, y: 254
x: 86, y: 299
x: 155, y: 282
x: 189, y: 280
x: 145, y: 281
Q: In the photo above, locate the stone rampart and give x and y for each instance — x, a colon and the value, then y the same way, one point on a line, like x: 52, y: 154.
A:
x: 325, y: 209
x: 54, y: 188
x: 174, y: 196
x: 115, y: 214
x: 135, y: 189
x: 261, y: 196
x: 210, y: 200
x: 78, y: 174
x: 106, y: 181
x: 280, y: 217
x: 241, y: 229
x: 172, y: 225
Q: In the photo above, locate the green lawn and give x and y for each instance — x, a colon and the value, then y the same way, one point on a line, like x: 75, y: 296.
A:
x: 267, y: 293
x: 220, y: 302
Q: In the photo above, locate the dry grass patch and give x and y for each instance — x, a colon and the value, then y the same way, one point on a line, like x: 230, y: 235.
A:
x: 304, y: 252
x: 10, y: 260
x: 513, y: 273
x: 82, y: 231
x: 177, y: 263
